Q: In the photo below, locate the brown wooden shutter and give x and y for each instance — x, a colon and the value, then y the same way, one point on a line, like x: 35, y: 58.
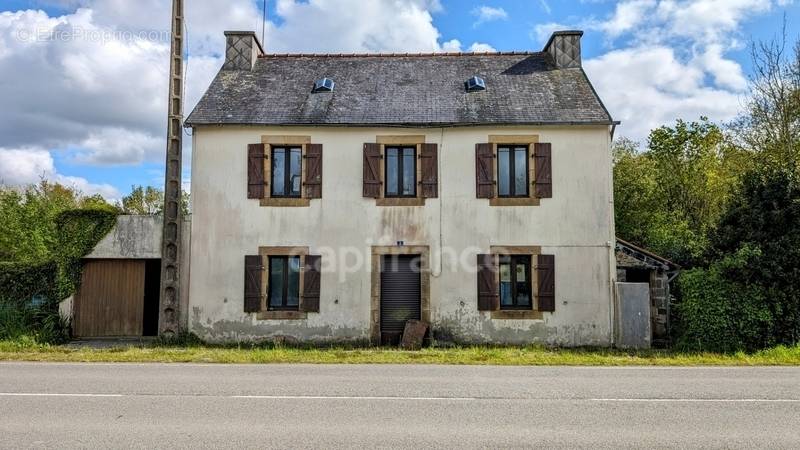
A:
x: 313, y: 159
x: 372, y: 170
x: 484, y: 170
x: 253, y: 268
x: 544, y: 171
x: 256, y: 153
x: 488, y: 295
x: 311, y: 271
x: 546, y: 282
x: 429, y: 161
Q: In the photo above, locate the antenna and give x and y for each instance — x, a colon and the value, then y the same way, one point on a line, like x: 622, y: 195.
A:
x: 264, y: 24
x: 169, y: 307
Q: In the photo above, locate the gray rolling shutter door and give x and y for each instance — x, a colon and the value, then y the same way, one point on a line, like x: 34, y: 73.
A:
x: 400, y: 294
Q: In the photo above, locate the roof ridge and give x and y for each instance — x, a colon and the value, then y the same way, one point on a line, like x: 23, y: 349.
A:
x: 371, y: 55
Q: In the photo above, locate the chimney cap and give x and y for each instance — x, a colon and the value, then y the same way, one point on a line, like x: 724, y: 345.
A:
x: 558, y: 33
x: 246, y: 33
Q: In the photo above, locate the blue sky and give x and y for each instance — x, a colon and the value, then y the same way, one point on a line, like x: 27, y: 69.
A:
x: 88, y: 109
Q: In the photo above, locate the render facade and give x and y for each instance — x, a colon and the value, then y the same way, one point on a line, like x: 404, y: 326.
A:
x: 303, y: 198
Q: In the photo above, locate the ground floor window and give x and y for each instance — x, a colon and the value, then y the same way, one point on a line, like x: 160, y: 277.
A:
x: 515, y: 282
x: 284, y: 283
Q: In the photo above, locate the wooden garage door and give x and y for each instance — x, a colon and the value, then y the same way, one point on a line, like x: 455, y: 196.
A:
x: 110, y: 301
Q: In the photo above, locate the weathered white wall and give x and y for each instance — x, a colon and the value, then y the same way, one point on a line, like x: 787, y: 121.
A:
x: 576, y: 225
x: 133, y: 237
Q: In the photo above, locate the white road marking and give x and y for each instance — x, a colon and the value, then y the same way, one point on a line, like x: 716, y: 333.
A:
x: 347, y: 397
x: 700, y: 400
x: 47, y: 394
x: 397, y: 398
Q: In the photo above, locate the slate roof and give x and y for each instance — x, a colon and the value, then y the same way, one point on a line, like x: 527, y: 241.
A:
x: 422, y: 90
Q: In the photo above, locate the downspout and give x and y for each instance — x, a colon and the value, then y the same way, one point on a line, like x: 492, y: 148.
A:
x: 612, y: 260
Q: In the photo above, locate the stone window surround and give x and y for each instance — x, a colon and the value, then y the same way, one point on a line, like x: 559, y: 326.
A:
x: 400, y: 140
x: 265, y: 253
x: 521, y: 139
x: 425, y: 284
x: 284, y: 140
x: 533, y: 313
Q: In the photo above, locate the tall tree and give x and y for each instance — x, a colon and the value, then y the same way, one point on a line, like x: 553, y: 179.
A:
x: 770, y: 124
x: 670, y: 195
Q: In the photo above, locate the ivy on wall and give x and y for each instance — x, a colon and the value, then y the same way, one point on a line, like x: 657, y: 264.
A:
x: 30, y: 292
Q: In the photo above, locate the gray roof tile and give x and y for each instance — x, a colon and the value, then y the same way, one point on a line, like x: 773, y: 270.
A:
x: 401, y: 90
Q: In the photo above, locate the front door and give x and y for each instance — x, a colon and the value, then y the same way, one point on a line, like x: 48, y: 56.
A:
x: 400, y: 295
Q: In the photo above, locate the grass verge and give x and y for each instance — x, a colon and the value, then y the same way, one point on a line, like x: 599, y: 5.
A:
x: 27, y: 350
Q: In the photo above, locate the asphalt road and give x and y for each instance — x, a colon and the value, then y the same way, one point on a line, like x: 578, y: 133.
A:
x: 301, y: 406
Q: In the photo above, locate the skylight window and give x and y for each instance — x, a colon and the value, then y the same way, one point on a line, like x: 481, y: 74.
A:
x: 324, y: 85
x: 475, y: 84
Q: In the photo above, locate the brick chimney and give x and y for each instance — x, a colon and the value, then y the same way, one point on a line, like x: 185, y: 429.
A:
x: 565, y: 48
x: 241, y: 50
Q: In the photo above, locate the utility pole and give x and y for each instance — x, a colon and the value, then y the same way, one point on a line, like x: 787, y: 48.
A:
x: 169, y: 315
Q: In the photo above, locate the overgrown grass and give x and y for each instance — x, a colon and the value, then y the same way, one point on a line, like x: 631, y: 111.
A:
x: 26, y: 349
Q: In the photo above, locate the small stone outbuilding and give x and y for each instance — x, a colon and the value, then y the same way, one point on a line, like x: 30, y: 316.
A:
x: 637, y: 265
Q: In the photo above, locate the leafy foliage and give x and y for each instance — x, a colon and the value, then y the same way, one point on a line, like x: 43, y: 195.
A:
x: 150, y: 201
x: 28, y: 218
x: 718, y: 313
x: 670, y: 196
x: 44, y: 239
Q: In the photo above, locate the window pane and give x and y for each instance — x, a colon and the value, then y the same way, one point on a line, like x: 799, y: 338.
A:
x: 295, y: 167
x: 278, y: 171
x: 505, y: 285
x: 276, y: 282
x: 523, y: 286
x: 293, y: 289
x: 521, y: 171
x: 503, y: 171
x: 409, y: 171
x: 392, y: 169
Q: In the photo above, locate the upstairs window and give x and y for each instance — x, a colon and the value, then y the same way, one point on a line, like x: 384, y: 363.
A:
x: 284, y: 283
x: 515, y: 282
x: 287, y: 169
x: 401, y: 172
x: 512, y: 171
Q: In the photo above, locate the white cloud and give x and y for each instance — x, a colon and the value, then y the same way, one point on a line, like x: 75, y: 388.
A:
x: 650, y: 86
x: 30, y: 165
x: 117, y: 146
x: 93, y: 82
x: 668, y: 59
x: 542, y: 32
x: 488, y: 14
x: 481, y: 48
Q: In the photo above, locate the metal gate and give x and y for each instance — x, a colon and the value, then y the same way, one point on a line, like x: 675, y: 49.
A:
x: 110, y: 301
x: 400, y: 295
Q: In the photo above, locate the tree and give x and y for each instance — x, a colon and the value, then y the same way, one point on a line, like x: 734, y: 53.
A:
x: 149, y: 201
x: 765, y: 215
x: 670, y: 196
x: 770, y: 125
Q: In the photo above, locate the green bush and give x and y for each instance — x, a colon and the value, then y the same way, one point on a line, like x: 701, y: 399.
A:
x: 719, y: 314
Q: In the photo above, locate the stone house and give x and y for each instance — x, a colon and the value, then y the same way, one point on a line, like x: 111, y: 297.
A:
x: 335, y: 197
